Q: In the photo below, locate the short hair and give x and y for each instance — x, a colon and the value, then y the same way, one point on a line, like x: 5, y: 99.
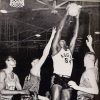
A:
x: 91, y: 53
x: 6, y: 57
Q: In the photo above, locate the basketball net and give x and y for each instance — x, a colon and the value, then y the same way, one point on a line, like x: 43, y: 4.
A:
x: 17, y: 3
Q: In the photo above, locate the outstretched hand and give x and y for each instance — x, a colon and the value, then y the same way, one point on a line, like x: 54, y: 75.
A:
x: 24, y: 92
x: 54, y: 30
x: 73, y: 85
x: 89, y: 40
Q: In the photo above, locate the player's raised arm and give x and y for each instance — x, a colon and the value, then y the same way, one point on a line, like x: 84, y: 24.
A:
x: 46, y: 49
x: 73, y: 41
x: 55, y: 45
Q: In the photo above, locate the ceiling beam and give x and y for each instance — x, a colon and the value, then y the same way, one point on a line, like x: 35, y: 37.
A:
x: 87, y: 0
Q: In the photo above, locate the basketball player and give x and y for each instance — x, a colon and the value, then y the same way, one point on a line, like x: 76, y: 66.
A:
x: 88, y: 83
x: 9, y: 81
x: 63, y: 61
x: 32, y: 82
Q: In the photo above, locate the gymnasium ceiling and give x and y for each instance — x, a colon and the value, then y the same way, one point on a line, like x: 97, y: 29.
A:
x: 22, y: 24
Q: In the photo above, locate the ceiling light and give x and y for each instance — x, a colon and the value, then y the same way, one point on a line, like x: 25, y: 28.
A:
x: 37, y: 35
x: 97, y: 32
x: 3, y: 11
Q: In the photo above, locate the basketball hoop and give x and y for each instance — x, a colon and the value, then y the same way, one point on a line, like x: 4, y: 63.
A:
x: 17, y: 3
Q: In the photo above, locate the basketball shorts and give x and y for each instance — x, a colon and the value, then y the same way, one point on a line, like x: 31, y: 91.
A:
x: 60, y: 80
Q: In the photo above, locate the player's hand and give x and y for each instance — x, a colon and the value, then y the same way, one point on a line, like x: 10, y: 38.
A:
x: 24, y: 92
x: 89, y: 41
x: 73, y: 85
x: 54, y: 30
x: 42, y: 97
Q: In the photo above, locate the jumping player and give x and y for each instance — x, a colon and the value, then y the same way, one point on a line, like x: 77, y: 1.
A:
x: 63, y: 61
x: 32, y: 82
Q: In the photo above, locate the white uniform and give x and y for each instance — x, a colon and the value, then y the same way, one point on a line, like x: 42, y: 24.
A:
x: 63, y: 63
x: 10, y: 81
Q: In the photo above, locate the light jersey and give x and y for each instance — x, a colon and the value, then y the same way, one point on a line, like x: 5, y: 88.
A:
x: 84, y: 82
x: 32, y: 83
x: 63, y: 62
x: 10, y: 81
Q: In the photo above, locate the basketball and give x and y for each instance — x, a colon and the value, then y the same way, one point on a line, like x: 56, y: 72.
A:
x: 73, y: 9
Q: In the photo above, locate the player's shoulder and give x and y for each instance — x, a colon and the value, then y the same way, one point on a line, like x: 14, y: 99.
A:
x: 2, y: 74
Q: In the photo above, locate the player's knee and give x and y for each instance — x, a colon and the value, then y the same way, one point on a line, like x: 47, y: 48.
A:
x: 56, y: 95
x: 56, y: 87
x: 65, y: 95
x: 56, y: 92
